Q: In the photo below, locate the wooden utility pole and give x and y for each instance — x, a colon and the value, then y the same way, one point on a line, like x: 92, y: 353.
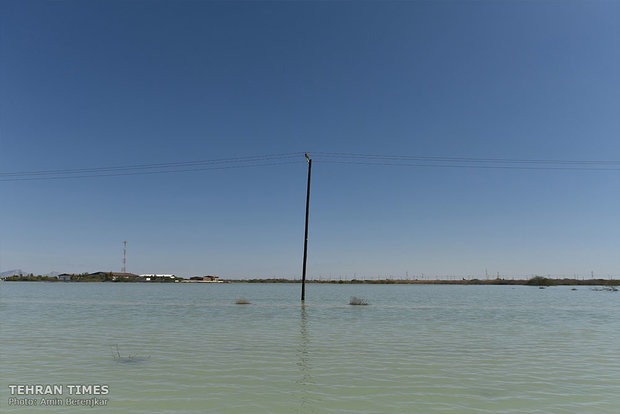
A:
x: 303, y: 274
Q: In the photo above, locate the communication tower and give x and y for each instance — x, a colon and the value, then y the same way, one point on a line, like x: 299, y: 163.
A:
x: 124, y: 269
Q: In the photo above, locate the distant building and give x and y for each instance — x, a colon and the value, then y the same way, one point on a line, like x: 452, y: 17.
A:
x: 65, y: 277
x: 210, y: 278
x: 114, y: 275
x: 154, y: 276
x: 158, y: 275
x: 121, y: 275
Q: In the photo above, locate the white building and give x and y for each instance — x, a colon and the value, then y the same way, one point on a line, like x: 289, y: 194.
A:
x: 154, y: 275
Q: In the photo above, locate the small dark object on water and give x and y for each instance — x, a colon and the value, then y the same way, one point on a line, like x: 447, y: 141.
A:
x: 243, y: 301
x: 358, y: 301
x: 574, y: 289
x: 132, y: 358
x: 129, y: 358
x: 605, y: 288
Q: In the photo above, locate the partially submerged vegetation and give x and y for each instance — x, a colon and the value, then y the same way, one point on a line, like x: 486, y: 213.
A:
x: 606, y: 289
x: 127, y: 358
x: 358, y: 301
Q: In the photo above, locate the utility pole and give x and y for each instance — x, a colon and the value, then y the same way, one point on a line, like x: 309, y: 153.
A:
x: 303, y: 274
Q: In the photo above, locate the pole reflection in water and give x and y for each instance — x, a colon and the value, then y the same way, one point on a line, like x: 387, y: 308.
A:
x: 307, y: 402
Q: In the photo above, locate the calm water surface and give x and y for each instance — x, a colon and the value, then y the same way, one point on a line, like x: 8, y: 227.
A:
x: 414, y: 349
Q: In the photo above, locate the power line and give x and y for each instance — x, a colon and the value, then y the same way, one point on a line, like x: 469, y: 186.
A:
x: 268, y: 160
x: 347, y: 155
x: 509, y: 167
x: 65, y: 177
x: 157, y: 165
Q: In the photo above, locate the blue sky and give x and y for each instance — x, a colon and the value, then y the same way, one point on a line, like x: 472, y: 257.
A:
x: 108, y: 83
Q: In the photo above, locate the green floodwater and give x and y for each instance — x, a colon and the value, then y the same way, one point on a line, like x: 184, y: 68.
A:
x: 414, y: 349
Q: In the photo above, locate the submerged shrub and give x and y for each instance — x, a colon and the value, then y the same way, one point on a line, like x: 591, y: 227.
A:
x: 358, y: 301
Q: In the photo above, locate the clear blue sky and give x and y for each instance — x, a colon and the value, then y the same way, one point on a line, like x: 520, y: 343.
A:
x: 106, y: 83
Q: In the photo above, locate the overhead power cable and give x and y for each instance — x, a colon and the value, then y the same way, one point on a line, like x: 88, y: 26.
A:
x: 342, y: 158
x: 61, y: 177
x: 344, y: 155
x: 509, y: 167
x: 170, y: 165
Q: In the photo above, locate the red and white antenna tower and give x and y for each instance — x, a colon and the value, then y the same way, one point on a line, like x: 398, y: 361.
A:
x: 124, y: 269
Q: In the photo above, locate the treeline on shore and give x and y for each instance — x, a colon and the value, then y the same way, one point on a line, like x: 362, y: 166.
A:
x: 30, y: 278
x: 535, y: 281
x: 91, y: 277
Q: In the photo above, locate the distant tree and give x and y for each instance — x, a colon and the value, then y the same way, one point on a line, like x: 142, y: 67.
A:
x: 540, y: 281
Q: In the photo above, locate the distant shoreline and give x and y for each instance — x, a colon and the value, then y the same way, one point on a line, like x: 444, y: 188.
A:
x: 536, y: 281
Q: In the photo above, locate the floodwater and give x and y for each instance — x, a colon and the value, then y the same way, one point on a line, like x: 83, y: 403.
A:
x: 188, y: 348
